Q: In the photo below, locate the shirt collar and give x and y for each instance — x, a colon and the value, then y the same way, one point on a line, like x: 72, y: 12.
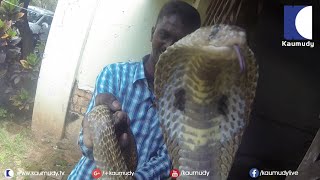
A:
x: 139, y: 73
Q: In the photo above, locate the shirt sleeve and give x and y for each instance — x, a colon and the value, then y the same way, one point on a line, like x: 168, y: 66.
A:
x: 104, y: 83
x: 158, y: 167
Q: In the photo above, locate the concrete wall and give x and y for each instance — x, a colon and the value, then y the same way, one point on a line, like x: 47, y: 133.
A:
x: 202, y: 7
x: 61, y: 59
x: 120, y: 31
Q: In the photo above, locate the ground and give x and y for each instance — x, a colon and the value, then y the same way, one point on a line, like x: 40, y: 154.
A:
x: 22, y: 151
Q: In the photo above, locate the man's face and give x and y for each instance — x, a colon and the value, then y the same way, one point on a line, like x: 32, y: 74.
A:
x: 168, y: 30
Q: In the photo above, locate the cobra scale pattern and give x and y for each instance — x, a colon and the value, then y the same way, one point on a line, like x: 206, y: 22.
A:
x: 106, y: 149
x: 204, y: 100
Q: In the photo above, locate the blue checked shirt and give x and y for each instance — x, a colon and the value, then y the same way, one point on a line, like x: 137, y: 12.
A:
x: 128, y: 83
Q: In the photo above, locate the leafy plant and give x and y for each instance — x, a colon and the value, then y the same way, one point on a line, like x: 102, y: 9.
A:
x: 18, y: 75
x: 39, y: 49
x: 3, y: 113
x: 30, y: 66
x: 10, y: 5
x: 11, y: 33
x: 9, y: 14
x: 31, y: 62
x: 1, y: 24
x: 22, y: 99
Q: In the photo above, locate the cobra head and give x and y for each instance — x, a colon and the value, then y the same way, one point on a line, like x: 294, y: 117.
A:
x: 203, y: 90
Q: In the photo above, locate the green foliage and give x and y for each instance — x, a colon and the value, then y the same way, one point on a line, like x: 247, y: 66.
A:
x: 11, y: 6
x: 22, y: 99
x: 30, y: 67
x: 10, y: 9
x: 40, y: 48
x: 1, y: 24
x: 31, y: 62
x: 20, y: 75
x: 9, y: 52
x: 8, y: 34
x: 11, y: 33
x: 23, y: 94
x: 32, y: 59
x: 12, y: 147
x: 3, y: 113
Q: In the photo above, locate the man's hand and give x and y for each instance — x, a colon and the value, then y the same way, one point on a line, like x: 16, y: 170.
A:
x: 121, y: 120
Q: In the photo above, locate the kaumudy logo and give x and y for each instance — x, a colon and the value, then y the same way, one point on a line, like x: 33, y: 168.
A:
x: 298, y: 26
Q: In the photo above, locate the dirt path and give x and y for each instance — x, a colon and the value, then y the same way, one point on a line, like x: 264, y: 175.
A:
x: 21, y: 151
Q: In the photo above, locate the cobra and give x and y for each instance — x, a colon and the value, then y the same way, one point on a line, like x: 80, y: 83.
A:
x: 205, y: 85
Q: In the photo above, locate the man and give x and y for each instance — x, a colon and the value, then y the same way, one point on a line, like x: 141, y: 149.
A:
x: 127, y: 88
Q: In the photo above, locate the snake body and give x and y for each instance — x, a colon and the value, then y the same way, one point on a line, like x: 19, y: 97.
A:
x: 204, y: 84
x: 108, y: 155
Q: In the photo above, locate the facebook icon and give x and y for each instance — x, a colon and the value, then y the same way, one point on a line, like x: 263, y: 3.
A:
x: 254, y: 172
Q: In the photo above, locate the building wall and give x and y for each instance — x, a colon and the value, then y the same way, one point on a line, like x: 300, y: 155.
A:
x: 62, y: 57
x: 120, y: 31
x: 79, y: 100
x: 202, y: 6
